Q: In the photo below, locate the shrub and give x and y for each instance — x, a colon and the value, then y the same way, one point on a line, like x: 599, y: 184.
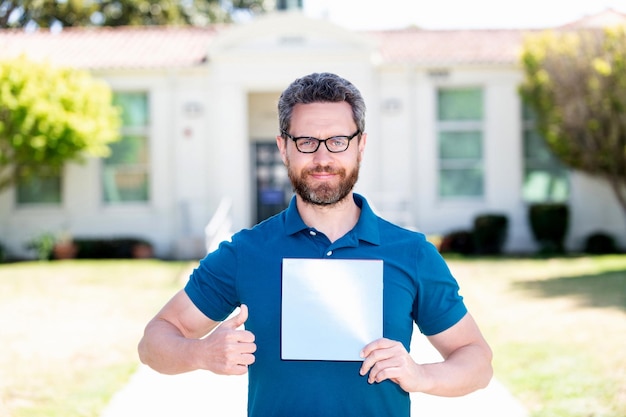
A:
x: 490, y: 232
x: 42, y: 245
x: 113, y: 248
x: 549, y: 223
x: 460, y: 241
x: 600, y: 243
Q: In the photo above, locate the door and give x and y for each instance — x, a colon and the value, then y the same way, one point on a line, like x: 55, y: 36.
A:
x: 273, y: 188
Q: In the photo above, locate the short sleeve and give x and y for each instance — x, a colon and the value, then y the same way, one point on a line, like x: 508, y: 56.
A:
x: 438, y: 305
x: 212, y: 285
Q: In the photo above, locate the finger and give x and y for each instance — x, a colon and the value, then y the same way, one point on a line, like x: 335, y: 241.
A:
x: 247, y: 359
x: 376, y: 345
x: 238, y: 370
x: 375, y: 352
x: 373, y: 357
x: 365, y: 368
x: 236, y: 321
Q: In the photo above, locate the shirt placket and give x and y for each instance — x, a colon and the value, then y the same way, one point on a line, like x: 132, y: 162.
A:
x: 325, y: 248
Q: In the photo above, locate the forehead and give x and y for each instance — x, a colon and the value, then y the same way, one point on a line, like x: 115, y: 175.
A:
x: 322, y: 119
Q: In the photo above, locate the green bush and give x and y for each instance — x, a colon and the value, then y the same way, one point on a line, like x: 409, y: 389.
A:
x: 600, y: 243
x: 490, y: 232
x: 549, y: 223
x: 459, y: 241
x: 42, y: 245
x: 111, y: 248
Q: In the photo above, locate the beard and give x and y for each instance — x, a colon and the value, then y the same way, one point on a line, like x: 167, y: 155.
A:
x: 324, y: 194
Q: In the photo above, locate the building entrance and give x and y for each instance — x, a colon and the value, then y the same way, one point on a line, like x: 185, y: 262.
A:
x: 272, y: 187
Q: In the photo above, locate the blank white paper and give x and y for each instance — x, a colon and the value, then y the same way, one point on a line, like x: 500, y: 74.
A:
x: 331, y: 309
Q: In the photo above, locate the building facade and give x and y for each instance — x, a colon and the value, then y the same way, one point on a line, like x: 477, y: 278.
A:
x: 448, y: 138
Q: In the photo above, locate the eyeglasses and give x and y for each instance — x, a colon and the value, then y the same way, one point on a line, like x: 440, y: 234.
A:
x: 334, y: 144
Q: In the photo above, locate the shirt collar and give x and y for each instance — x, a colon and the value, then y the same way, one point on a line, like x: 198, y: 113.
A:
x: 293, y: 221
x: 366, y: 228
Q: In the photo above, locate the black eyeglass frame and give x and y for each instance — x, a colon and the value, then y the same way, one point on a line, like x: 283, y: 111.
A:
x: 319, y: 141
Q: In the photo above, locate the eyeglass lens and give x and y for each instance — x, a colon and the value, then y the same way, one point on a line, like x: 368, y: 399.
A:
x: 335, y: 144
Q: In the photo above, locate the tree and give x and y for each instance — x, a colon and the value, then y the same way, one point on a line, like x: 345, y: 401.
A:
x: 575, y: 82
x: 21, y: 13
x: 66, y: 13
x: 49, y: 116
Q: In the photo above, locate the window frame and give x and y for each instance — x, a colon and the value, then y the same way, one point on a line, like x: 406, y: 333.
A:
x: 58, y: 177
x: 552, y: 167
x: 460, y: 125
x: 144, y: 167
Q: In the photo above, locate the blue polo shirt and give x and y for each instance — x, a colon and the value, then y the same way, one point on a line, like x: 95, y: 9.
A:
x: 418, y: 286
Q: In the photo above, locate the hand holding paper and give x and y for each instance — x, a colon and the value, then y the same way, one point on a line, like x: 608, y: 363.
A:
x: 388, y: 359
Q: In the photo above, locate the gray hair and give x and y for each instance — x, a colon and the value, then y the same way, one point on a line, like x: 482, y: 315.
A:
x: 319, y: 88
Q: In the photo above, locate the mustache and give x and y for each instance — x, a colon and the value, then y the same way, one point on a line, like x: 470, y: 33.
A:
x: 319, y: 169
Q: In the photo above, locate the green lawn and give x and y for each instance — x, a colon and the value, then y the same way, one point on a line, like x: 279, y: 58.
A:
x: 69, y: 330
x: 557, y: 328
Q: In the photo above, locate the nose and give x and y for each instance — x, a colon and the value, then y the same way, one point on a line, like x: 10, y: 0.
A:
x: 322, y: 153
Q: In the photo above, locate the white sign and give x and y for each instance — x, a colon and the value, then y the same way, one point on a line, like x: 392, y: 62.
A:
x: 331, y: 309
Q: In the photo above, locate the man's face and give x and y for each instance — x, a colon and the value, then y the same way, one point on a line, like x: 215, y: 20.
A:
x: 322, y: 178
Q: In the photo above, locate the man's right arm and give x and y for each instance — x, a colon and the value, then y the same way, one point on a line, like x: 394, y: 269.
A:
x: 180, y: 338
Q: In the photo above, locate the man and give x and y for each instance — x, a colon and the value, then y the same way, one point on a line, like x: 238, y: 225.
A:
x: 325, y: 220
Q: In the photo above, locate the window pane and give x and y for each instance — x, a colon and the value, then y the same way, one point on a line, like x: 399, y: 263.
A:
x: 40, y: 190
x: 125, y: 183
x: 545, y: 177
x: 129, y: 150
x: 461, y: 182
x: 134, y: 108
x: 460, y: 104
x: 536, y: 149
x: 528, y: 114
x: 460, y: 114
x: 541, y: 185
x: 125, y: 171
x: 460, y: 145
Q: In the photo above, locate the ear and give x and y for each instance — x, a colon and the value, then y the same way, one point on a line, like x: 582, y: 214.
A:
x: 282, y: 148
x: 362, y: 144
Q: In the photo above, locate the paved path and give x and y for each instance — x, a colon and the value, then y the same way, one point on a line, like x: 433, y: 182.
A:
x: 200, y: 394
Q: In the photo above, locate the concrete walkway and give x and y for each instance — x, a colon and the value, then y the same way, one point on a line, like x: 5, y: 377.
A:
x: 201, y: 394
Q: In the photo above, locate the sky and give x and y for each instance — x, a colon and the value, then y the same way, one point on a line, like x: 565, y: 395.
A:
x: 456, y: 14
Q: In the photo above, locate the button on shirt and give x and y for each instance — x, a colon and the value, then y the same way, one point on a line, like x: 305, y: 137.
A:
x: 418, y: 287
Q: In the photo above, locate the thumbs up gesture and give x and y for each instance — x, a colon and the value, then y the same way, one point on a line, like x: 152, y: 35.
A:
x: 229, y: 349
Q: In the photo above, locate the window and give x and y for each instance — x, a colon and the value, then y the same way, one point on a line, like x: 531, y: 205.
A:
x: 43, y: 189
x: 460, y: 138
x: 126, y: 170
x: 545, y: 178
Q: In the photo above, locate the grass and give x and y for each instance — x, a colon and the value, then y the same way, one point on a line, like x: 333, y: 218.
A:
x: 69, y: 330
x: 557, y: 328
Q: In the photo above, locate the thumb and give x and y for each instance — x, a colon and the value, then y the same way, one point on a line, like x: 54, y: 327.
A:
x: 239, y: 319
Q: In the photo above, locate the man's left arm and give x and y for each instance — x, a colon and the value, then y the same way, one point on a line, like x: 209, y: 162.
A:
x: 466, y: 366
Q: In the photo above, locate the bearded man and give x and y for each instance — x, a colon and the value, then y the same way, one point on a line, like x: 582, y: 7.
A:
x: 322, y: 141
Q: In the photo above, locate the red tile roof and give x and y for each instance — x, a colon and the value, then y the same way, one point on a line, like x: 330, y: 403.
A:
x: 166, y: 47
x: 129, y: 47
x: 438, y: 47
x: 169, y: 47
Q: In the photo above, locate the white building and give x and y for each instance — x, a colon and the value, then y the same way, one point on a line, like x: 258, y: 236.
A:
x: 202, y: 121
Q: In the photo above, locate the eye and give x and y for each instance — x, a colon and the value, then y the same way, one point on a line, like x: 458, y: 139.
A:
x: 338, y: 141
x: 307, y: 143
